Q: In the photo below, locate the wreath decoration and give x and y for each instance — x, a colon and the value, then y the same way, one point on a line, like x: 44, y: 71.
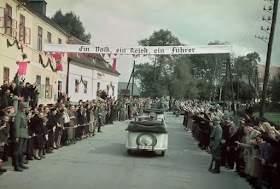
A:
x: 49, y: 62
x: 81, y: 81
x: 24, y: 56
x: 9, y: 44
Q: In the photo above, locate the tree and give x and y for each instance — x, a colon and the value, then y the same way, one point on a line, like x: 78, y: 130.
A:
x: 275, y: 91
x: 167, y: 75
x: 71, y: 24
x: 209, y: 70
x: 246, y: 67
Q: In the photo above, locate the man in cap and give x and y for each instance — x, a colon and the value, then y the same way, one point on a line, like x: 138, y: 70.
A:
x: 215, y: 139
x: 226, y: 135
x: 239, y: 136
x: 21, y: 136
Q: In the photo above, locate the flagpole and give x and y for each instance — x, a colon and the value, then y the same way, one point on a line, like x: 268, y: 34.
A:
x: 132, y: 79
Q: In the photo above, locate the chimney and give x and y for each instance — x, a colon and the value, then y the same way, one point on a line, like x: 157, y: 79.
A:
x: 39, y: 5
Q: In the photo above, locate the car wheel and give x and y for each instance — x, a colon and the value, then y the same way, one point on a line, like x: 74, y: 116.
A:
x: 146, y: 139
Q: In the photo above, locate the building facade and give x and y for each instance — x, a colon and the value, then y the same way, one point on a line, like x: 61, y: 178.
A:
x: 25, y: 29
x: 88, y: 76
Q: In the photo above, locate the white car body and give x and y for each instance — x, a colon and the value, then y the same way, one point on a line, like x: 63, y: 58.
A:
x: 160, y: 147
x: 147, y: 141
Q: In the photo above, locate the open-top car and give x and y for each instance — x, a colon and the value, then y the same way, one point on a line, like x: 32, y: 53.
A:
x: 150, y: 135
x: 156, y: 114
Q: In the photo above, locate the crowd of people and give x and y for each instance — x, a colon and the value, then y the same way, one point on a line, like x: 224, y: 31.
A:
x: 33, y: 131
x: 249, y: 146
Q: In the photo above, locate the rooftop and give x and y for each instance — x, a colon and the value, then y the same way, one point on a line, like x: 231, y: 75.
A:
x: 273, y: 71
x: 123, y: 85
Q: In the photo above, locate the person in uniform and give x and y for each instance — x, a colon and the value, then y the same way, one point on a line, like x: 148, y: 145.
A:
x: 215, y: 140
x: 4, y: 135
x: 121, y: 108
x: 99, y: 118
x: 21, y: 137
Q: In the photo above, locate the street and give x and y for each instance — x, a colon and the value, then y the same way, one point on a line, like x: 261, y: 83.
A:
x: 102, y: 162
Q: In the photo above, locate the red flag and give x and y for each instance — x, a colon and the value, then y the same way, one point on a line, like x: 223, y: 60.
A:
x: 22, y: 71
x: 57, y: 58
x: 114, y: 64
x: 109, y: 55
x: 115, y: 54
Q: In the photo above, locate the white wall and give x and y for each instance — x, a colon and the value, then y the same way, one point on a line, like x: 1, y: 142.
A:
x: 105, y: 80
x: 75, y: 72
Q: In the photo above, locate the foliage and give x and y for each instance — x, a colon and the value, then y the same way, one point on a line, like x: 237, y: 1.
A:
x: 202, y: 77
x: 275, y: 91
x: 167, y: 75
x: 72, y: 24
x: 210, y: 71
x: 247, y: 65
x: 246, y: 70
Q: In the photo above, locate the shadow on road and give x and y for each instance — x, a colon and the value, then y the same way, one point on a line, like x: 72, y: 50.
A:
x: 118, y: 149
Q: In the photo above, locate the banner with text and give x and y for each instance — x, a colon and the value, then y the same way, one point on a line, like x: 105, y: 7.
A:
x: 141, y: 50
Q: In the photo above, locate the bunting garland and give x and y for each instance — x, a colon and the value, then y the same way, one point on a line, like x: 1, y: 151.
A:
x: 9, y: 44
x: 48, y: 63
x: 81, y: 81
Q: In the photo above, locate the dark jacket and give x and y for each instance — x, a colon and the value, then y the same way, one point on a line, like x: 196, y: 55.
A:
x: 37, y: 125
x: 6, y: 101
x: 52, y: 121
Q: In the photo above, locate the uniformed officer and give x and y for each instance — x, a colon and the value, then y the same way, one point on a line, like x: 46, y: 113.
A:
x: 21, y: 136
x: 215, y: 140
x: 100, y: 110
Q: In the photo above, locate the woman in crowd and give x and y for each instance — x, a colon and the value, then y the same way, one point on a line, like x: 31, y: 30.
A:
x: 29, y: 151
x: 38, y: 128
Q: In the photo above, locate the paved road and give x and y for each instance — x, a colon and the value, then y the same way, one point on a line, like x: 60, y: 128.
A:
x: 102, y: 163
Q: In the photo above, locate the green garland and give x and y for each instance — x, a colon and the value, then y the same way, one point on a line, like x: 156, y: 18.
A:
x: 48, y: 63
x: 81, y: 80
x: 9, y: 44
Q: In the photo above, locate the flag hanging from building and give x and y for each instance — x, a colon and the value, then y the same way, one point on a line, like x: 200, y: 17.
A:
x: 57, y: 58
x: 22, y: 71
x: 114, y: 64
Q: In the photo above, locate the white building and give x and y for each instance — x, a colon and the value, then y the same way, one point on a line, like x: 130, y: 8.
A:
x: 88, y: 75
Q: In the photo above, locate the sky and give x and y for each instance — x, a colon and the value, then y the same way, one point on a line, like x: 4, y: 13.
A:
x: 194, y: 22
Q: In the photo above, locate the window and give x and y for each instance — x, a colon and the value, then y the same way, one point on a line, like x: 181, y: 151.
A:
x: 6, y: 74
x: 48, y: 89
x: 59, y: 41
x: 2, y: 17
x: 98, y: 88
x: 9, y: 20
x: 21, y: 28
x: 39, y: 85
x: 40, y: 36
x: 76, y: 86
x: 49, y: 37
x: 24, y: 32
x: 113, y: 90
x: 85, y: 86
x: 59, y: 85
